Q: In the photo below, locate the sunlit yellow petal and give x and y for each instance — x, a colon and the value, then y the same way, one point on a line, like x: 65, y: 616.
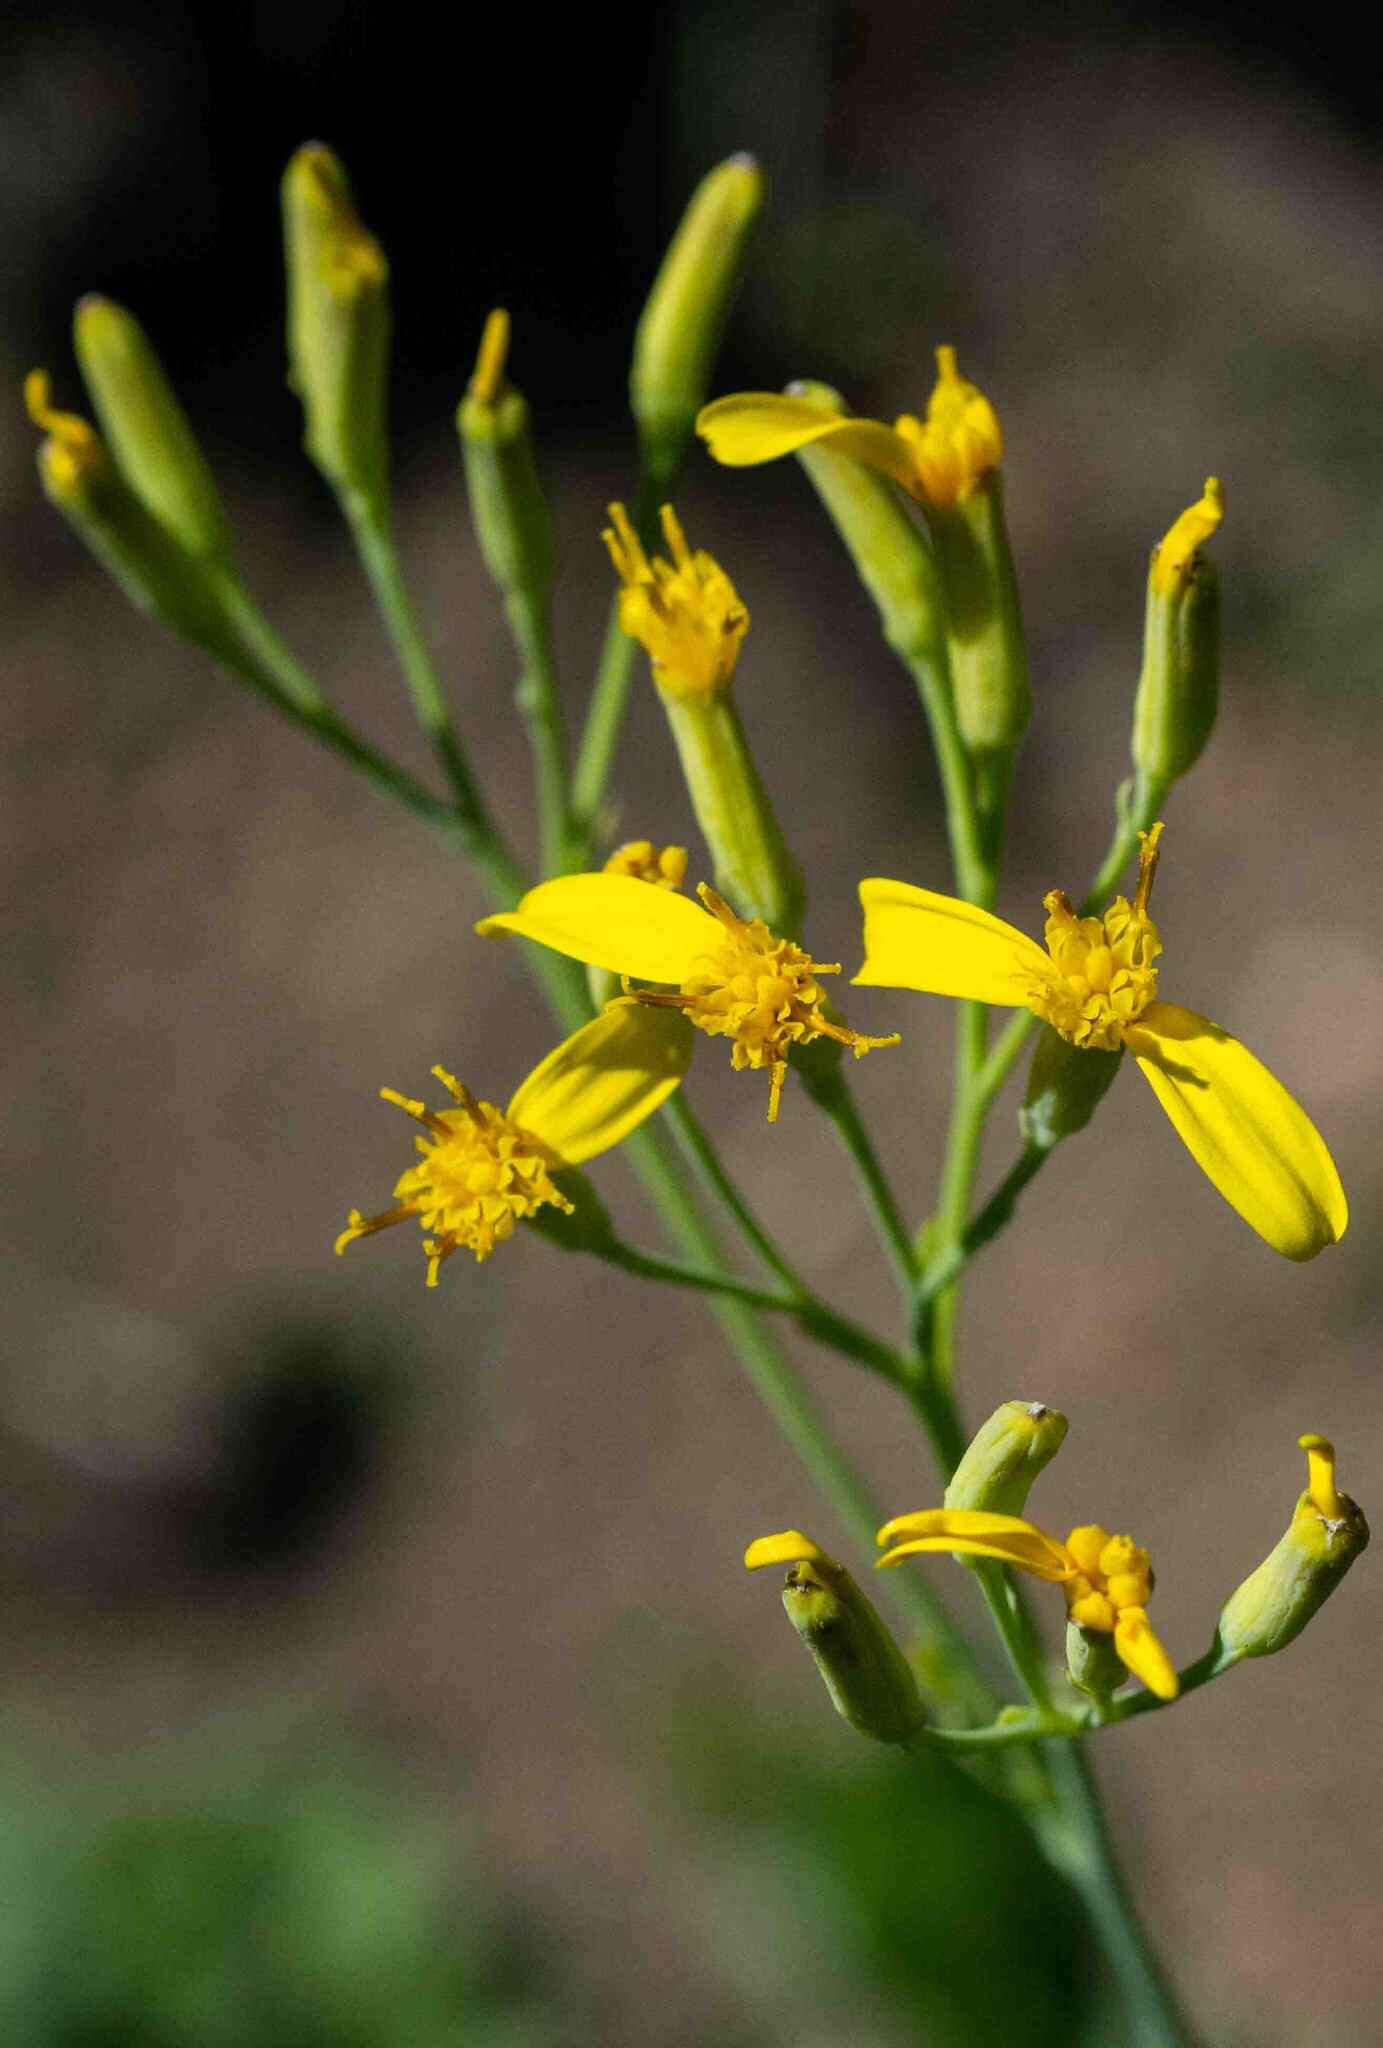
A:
x: 1143, y: 1653
x: 759, y: 426
x: 600, y: 1083
x: 914, y: 938
x: 1242, y: 1128
x: 791, y: 1547
x: 1028, y: 1555
x: 615, y: 922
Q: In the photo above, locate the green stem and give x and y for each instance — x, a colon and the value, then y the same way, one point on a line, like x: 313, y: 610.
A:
x: 835, y: 1097
x: 610, y: 697
x: 931, y: 674
x: 704, y: 1157
x: 997, y: 1211
x: 541, y: 710
x: 936, y: 1321
x: 706, y: 1279
x: 1076, y: 1837
x: 374, y: 544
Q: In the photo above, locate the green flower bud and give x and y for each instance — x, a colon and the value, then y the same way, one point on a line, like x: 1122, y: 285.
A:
x: 984, y: 626
x: 889, y: 550
x: 680, y: 329
x: 148, y: 431
x: 1066, y: 1085
x: 1179, y: 688
x: 1326, y: 1533
x: 869, y: 1679
x: 338, y: 326
x: 508, y: 507
x: 687, y: 615
x: 152, y: 567
x: 1093, y: 1664
x: 1005, y: 1456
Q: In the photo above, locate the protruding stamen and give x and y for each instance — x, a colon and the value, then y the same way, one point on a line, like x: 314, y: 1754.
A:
x: 675, y: 538
x: 1320, y: 1475
x: 946, y: 371
x: 488, y: 380
x: 419, y: 1111
x: 365, y: 1226
x: 1148, y: 858
x: 626, y: 549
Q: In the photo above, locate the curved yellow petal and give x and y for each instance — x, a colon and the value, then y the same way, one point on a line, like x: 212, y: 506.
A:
x: 1022, y: 1551
x: 1245, y: 1132
x: 600, y: 1084
x: 1144, y: 1655
x: 791, y: 1547
x: 914, y: 938
x: 616, y: 922
x: 759, y: 426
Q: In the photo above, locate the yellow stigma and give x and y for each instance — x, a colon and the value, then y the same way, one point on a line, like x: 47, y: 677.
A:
x: 960, y: 441
x: 1104, y: 975
x: 685, y: 612
x: 1174, y: 558
x: 664, y: 866
x: 479, y: 1175
x: 1320, y: 1476
x: 762, y: 993
x: 73, y: 450
x: 488, y: 380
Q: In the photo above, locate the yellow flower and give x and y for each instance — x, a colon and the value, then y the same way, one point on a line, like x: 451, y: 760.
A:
x: 483, y: 1170
x: 686, y: 613
x: 1107, y: 1579
x: 1096, y: 984
x: 664, y: 866
x: 730, y: 977
x: 939, y: 461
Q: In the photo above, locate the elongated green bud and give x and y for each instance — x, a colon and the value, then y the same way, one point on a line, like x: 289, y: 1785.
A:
x: 984, y: 626
x: 1325, y: 1535
x: 1066, y: 1085
x: 1093, y: 1664
x: 687, y: 615
x: 1179, y: 688
x: 1005, y: 1456
x: 685, y: 314
x: 889, y: 550
x: 148, y: 431
x: 81, y: 479
x: 510, y: 511
x: 868, y: 1677
x: 338, y: 326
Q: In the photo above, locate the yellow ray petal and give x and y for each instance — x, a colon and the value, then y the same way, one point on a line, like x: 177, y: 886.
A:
x: 600, y: 1083
x: 791, y: 1547
x: 914, y: 938
x: 759, y: 426
x: 616, y: 922
x: 1143, y: 1653
x: 1242, y: 1128
x: 1028, y: 1555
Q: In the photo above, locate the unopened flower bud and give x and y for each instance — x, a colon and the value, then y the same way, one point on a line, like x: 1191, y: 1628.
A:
x: 1326, y: 1533
x: 148, y: 431
x: 1179, y: 688
x: 1066, y: 1084
x: 508, y: 507
x: 960, y: 448
x: 338, y: 325
x: 682, y: 323
x: 1005, y: 1456
x: 687, y: 615
x: 154, y: 570
x: 889, y: 551
x: 1093, y: 1664
x: 869, y: 1679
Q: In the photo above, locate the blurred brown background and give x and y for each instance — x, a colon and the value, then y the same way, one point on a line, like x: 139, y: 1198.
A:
x: 492, y: 1533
